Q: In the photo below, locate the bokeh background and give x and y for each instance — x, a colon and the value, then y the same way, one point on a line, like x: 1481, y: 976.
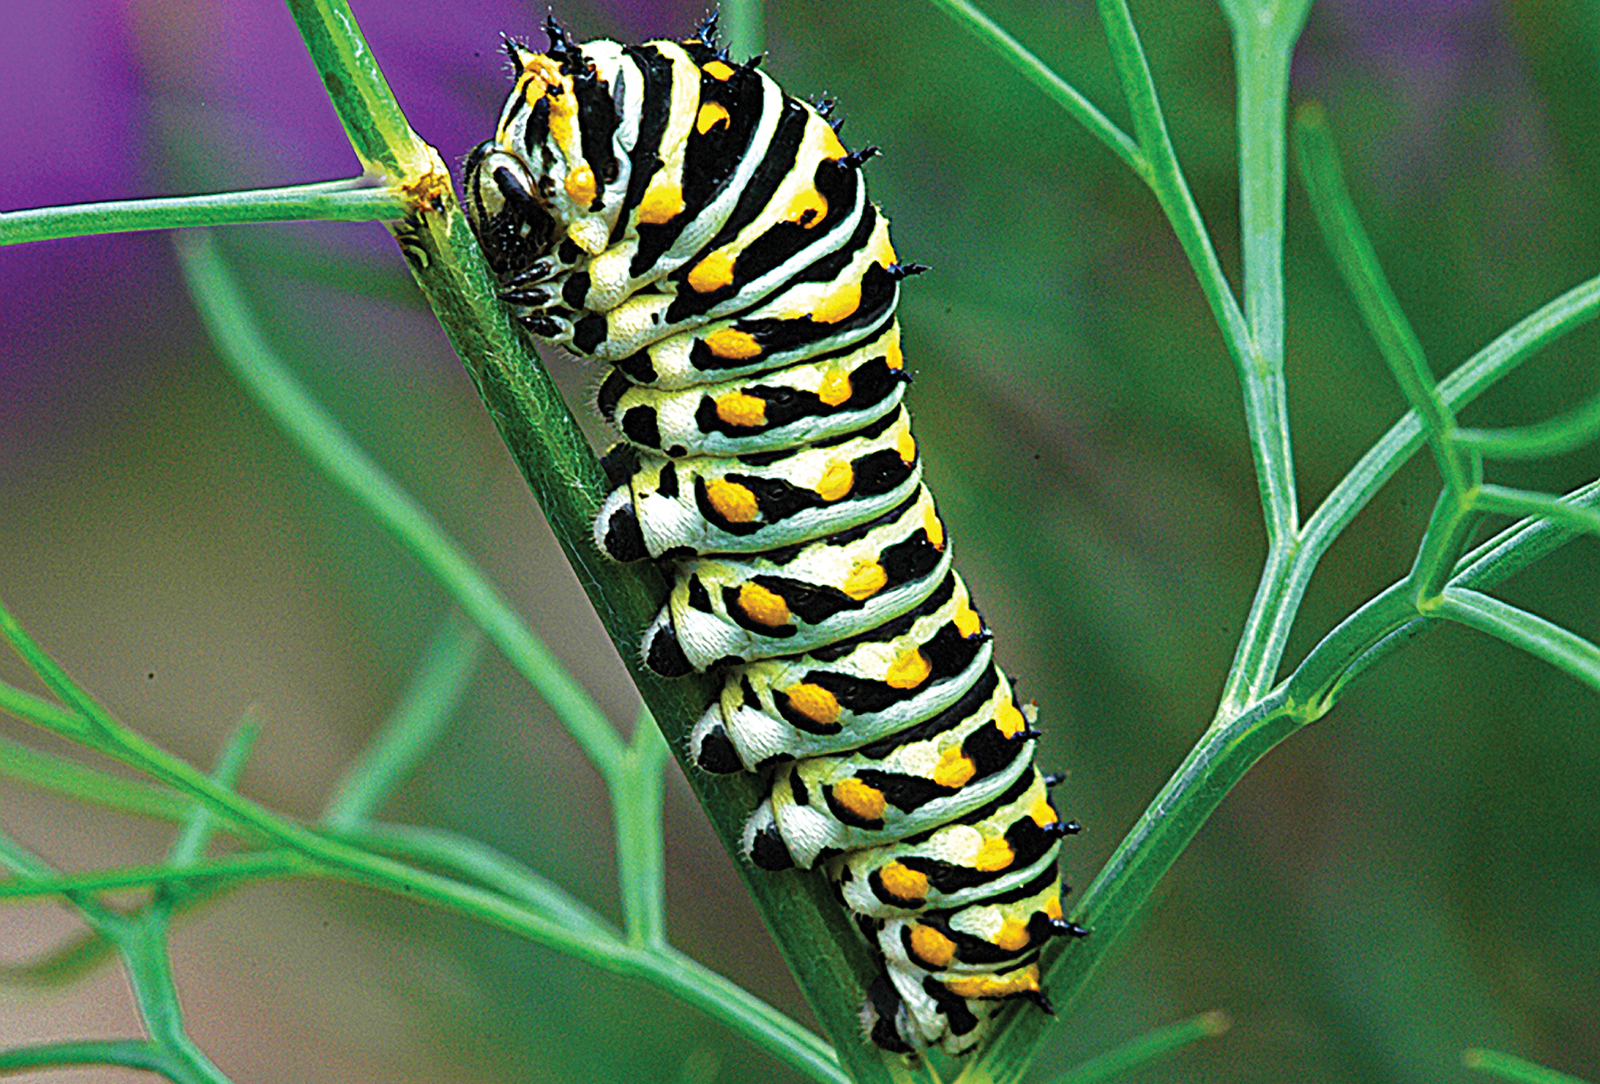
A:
x: 1416, y: 874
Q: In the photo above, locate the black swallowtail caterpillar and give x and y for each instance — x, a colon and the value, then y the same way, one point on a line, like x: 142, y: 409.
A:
x: 679, y: 216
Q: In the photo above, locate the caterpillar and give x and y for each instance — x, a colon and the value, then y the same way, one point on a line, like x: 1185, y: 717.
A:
x: 680, y: 217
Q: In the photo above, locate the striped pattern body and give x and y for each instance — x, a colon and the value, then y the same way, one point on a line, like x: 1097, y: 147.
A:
x: 680, y: 217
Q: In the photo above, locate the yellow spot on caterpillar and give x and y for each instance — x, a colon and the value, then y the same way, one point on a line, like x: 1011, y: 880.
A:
x: 545, y: 78
x: 711, y: 114
x: 733, y: 344
x: 977, y: 987
x: 955, y: 768
x: 842, y: 302
x: 1043, y: 813
x: 903, y: 882
x: 907, y: 447
x: 865, y: 581
x: 864, y: 801
x: 742, y: 410
x: 932, y: 949
x: 580, y: 185
x: 995, y: 854
x: 733, y: 502
x: 933, y: 527
x: 713, y: 272
x: 1009, y: 720
x: 762, y: 606
x: 835, y: 388
x: 807, y: 208
x: 909, y: 670
x: 832, y: 149
x: 1013, y: 936
x: 967, y: 621
x: 1052, y: 906
x: 718, y: 70
x: 892, y: 353
x: 814, y: 702
x: 882, y: 249
x: 836, y: 481
x: 661, y: 203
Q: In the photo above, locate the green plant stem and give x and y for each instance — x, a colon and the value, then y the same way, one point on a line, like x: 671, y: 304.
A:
x: 1514, y: 1069
x: 1358, y: 265
x: 435, y: 690
x: 373, y: 120
x: 636, y: 811
x: 1167, y: 183
x: 47, y: 771
x: 1147, y: 1048
x: 1571, y: 654
x: 356, y: 200
x: 1121, y: 889
x: 1555, y: 436
x: 1390, y: 619
x: 239, y: 341
x: 1519, y: 502
x: 1449, y: 528
x: 1045, y: 79
x: 233, y: 868
x: 128, y: 1053
x: 1263, y: 42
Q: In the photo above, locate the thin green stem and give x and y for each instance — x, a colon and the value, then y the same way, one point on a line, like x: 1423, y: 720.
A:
x: 200, y: 822
x: 1266, y: 630
x: 1566, y: 651
x: 233, y: 327
x: 1552, y: 437
x: 1390, y: 620
x: 1358, y: 265
x: 356, y: 200
x: 29, y: 867
x: 1493, y: 363
x: 1263, y: 42
x: 1517, y: 1070
x: 128, y: 1053
x: 1521, y: 502
x: 1449, y: 529
x: 390, y: 756
x: 372, y: 119
x: 51, y: 772
x: 636, y: 807
x: 471, y: 860
x: 1146, y: 1049
x: 1044, y: 78
x: 1171, y: 190
x: 207, y: 874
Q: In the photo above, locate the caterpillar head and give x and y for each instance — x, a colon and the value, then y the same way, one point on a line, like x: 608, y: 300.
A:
x: 553, y: 171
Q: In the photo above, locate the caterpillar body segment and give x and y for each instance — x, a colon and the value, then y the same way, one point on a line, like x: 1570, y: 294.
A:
x: 899, y: 786
x: 850, y: 693
x: 678, y: 216
x: 760, y: 502
x: 837, y: 393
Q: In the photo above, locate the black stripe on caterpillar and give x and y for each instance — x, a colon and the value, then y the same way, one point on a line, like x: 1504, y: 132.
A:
x: 679, y: 216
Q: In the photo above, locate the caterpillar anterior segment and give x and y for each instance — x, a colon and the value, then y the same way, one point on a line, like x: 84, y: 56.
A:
x: 679, y: 216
